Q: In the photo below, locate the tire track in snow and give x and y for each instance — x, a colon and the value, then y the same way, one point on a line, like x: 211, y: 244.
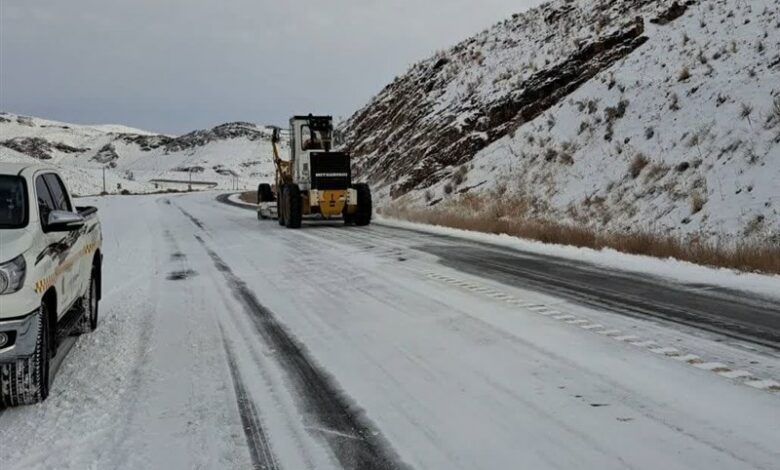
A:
x: 259, y: 447
x: 193, y: 219
x: 352, y: 438
x: 260, y: 452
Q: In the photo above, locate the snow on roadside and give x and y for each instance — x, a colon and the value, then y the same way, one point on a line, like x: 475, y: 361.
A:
x: 672, y: 269
x: 94, y: 390
x: 236, y: 199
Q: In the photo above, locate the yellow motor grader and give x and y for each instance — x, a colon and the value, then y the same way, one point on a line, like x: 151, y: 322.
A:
x: 315, y: 180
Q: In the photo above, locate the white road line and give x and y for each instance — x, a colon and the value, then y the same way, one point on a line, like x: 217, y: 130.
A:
x: 721, y: 369
x: 764, y: 384
x: 713, y: 366
x: 687, y: 358
x: 627, y: 338
x: 539, y: 308
x: 736, y: 374
x: 666, y: 351
x: 609, y: 332
x: 565, y: 317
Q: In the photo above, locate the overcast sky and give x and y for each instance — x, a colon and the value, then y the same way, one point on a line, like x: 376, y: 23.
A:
x: 177, y: 65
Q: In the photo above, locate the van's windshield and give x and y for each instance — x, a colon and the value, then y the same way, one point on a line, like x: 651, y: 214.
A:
x: 13, y: 202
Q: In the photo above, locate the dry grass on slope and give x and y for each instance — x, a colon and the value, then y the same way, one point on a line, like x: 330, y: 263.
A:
x: 249, y: 197
x: 505, y: 217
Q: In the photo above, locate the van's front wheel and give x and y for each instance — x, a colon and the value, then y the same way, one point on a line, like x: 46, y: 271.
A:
x: 26, y: 380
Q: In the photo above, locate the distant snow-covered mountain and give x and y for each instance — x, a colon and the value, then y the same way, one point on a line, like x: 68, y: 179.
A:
x: 136, y: 160
x: 620, y: 115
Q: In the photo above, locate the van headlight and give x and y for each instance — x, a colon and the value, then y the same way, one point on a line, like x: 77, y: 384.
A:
x: 12, y: 275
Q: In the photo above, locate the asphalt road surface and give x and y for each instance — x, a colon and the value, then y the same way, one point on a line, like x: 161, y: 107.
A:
x: 228, y: 342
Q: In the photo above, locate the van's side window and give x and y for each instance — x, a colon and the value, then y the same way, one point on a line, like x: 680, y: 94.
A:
x: 45, y: 201
x: 58, y: 193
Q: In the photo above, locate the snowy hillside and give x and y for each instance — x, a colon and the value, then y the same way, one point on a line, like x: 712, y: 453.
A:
x: 651, y: 115
x: 140, y: 161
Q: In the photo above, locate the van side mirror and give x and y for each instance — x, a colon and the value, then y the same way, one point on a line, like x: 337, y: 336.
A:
x: 64, y: 221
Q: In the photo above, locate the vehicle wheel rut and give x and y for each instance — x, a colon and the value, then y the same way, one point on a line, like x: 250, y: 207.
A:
x: 256, y: 438
x: 352, y: 438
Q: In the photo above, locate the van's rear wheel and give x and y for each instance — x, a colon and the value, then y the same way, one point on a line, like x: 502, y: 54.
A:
x: 26, y: 381
x: 89, y: 309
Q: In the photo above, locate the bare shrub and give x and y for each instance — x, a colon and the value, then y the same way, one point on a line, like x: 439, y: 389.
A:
x: 684, y: 74
x: 754, y: 226
x: 611, y: 115
x: 550, y: 122
x: 675, y: 103
x: 249, y: 197
x: 697, y: 202
x: 508, y: 217
x: 751, y: 156
x: 460, y: 175
x: 448, y: 188
x: 566, y: 156
x: 745, y: 111
x: 638, y: 164
x: 656, y: 172
x: 612, y: 81
x: 774, y: 113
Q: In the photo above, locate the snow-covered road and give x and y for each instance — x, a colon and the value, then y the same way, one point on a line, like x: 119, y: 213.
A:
x: 231, y: 343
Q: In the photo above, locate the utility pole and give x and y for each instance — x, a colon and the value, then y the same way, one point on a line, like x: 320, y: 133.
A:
x: 104, y: 180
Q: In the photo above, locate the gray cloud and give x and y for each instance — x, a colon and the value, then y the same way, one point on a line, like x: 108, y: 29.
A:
x: 177, y: 65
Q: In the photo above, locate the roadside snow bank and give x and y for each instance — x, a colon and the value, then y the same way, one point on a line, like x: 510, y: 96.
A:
x: 236, y: 199
x: 673, y: 269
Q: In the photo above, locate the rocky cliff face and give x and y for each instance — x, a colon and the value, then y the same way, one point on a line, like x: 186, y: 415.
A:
x: 622, y: 114
x: 451, y: 106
